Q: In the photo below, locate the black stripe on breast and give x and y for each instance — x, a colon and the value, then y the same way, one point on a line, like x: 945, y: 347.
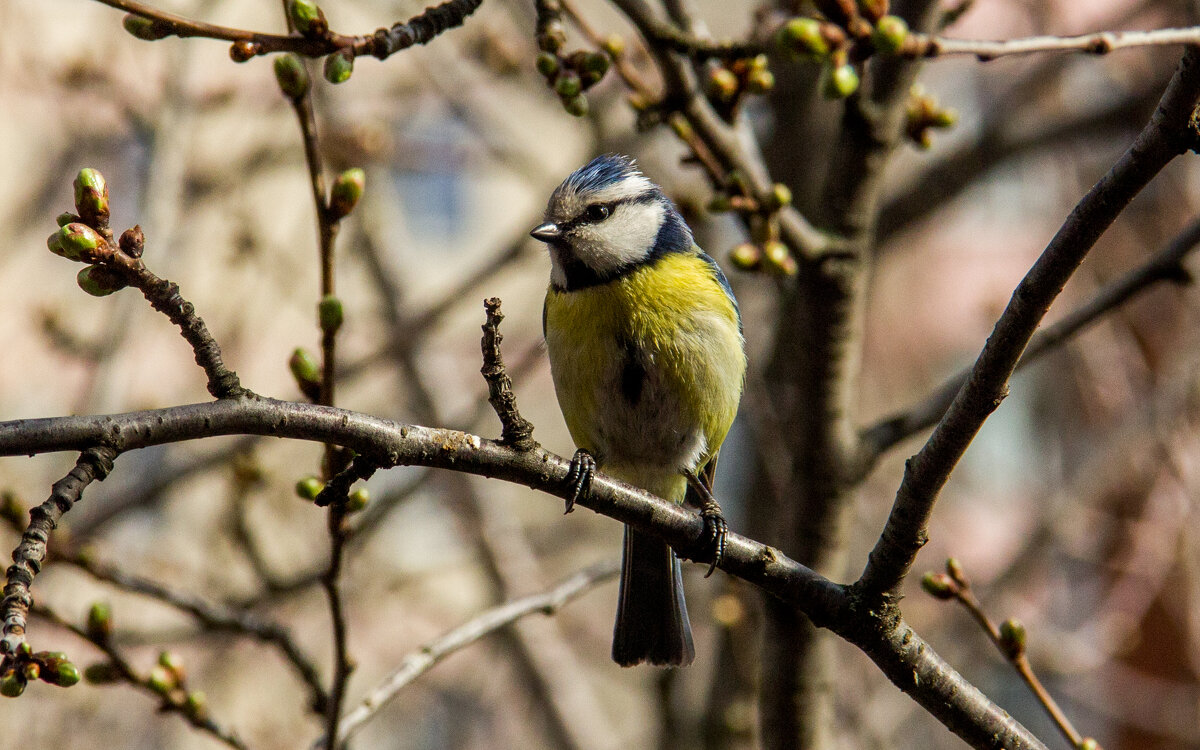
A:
x: 633, y: 373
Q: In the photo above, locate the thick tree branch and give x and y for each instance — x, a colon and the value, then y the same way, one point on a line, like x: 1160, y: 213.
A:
x: 1169, y: 133
x: 897, y: 650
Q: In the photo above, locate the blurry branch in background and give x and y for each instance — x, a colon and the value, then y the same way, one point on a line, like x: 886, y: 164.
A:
x: 1165, y: 266
x: 1009, y: 638
x: 426, y: 657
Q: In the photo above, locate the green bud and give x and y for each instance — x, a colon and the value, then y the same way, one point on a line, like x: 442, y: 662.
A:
x: 803, y: 37
x: 91, y: 197
x: 760, y: 81
x: 101, y: 673
x: 66, y: 218
x: 838, y: 81
x: 1012, y: 638
x: 955, y: 569
x: 309, y: 487
x: 596, y: 63
x: 308, y: 18
x: 613, y: 45
x: 746, y: 256
x: 95, y: 281
x: 146, y: 29
x: 31, y: 671
x: 347, y: 190
x: 12, y: 685
x: 196, y: 705
x: 943, y: 118
x: 99, y: 621
x: 778, y: 259
x: 291, y: 75
x: 547, y: 64
x: 781, y: 195
x: 1087, y: 743
x: 889, y: 34
x: 329, y: 313
x: 339, y: 66
x: 576, y: 106
x: 171, y: 662
x: 567, y: 84
x: 75, y: 241
x: 160, y: 680
x: 358, y: 500
x: 306, y: 372
x: 938, y: 585
x: 721, y: 84
x: 61, y: 673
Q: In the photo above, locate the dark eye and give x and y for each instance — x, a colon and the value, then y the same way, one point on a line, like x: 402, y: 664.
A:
x: 597, y: 213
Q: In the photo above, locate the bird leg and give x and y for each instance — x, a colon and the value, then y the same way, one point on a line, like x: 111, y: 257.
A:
x: 579, y: 478
x: 715, y: 528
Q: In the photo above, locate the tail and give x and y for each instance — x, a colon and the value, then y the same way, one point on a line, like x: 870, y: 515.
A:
x: 652, y: 620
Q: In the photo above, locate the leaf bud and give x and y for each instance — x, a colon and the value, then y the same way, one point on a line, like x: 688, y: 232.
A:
x: 746, y: 256
x: 12, y: 684
x: 132, y: 241
x: 358, y: 500
x: 547, y: 64
x: 778, y: 259
x: 96, y: 281
x: 75, y: 241
x: 1088, y: 743
x: 889, y: 34
x: 291, y: 75
x: 171, y: 662
x: 146, y: 29
x: 160, y: 680
x: 1012, y: 638
x: 346, y: 192
x: 99, y: 622
x: 595, y: 63
x: 307, y: 17
x: 306, y: 372
x: 838, y: 81
x: 91, y: 197
x: 760, y: 81
x: 614, y: 45
x: 781, y: 195
x: 955, y: 569
x: 339, y: 66
x: 196, y: 705
x: 567, y: 84
x: 309, y: 487
x: 803, y: 38
x: 330, y: 314
x: 552, y: 37
x: 31, y: 671
x: 939, y: 585
x: 243, y: 50
x: 576, y: 106
x: 721, y: 84
x: 65, y: 218
x: 60, y: 672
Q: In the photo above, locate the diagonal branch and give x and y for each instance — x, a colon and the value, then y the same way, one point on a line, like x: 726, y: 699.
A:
x: 1169, y: 133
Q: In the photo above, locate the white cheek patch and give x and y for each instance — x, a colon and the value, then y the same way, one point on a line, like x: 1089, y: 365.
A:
x: 623, y: 239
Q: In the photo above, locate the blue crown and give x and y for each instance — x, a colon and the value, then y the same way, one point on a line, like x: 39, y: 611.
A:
x: 601, y: 172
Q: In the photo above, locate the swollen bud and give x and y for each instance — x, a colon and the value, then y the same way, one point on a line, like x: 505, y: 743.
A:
x: 357, y: 500
x: 330, y: 314
x: 576, y: 106
x: 1088, y: 743
x: 339, y: 66
x: 307, y: 17
x: 721, y: 84
x: 889, y: 34
x: 75, y: 241
x: 98, y: 281
x: 614, y: 45
x: 243, y: 50
x: 309, y: 487
x: 346, y: 192
x: 778, y: 259
x: 938, y: 585
x: 781, y: 195
x: 547, y: 64
x: 132, y: 241
x: 746, y: 256
x: 146, y: 29
x: 65, y: 218
x: 12, y: 684
x: 60, y: 672
x: 291, y: 75
x: 760, y: 81
x: 307, y: 373
x: 567, y: 84
x: 838, y: 81
x: 802, y: 37
x: 91, y: 197
x: 1012, y: 638
x: 160, y: 680
x: 99, y: 622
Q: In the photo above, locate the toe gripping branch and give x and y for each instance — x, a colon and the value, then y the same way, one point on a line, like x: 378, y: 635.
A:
x: 579, y: 478
x: 716, y: 530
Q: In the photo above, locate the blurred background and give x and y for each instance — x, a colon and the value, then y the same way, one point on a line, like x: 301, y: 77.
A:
x: 1074, y: 510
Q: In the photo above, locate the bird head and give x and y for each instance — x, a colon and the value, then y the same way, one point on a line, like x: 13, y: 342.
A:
x: 605, y: 220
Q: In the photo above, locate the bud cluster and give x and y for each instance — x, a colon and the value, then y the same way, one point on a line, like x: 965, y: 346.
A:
x: 25, y: 666
x: 728, y: 83
x: 923, y: 115
x: 85, y: 237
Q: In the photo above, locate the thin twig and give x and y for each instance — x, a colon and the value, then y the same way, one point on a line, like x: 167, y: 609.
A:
x: 94, y: 463
x: 516, y: 430
x: 427, y: 656
x: 1099, y: 43
x: 1170, y: 133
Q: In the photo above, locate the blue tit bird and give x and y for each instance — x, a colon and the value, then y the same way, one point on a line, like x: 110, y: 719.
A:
x: 648, y: 362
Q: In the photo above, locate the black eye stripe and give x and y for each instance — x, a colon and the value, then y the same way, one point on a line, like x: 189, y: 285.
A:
x: 649, y: 196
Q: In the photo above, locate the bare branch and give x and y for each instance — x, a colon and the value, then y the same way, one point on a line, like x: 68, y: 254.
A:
x: 426, y: 657
x: 1100, y: 43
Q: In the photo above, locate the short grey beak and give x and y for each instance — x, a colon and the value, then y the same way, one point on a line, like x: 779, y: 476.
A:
x: 547, y: 232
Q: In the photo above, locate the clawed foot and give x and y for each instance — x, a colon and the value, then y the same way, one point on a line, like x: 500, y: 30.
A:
x: 579, y: 478
x: 715, y: 528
